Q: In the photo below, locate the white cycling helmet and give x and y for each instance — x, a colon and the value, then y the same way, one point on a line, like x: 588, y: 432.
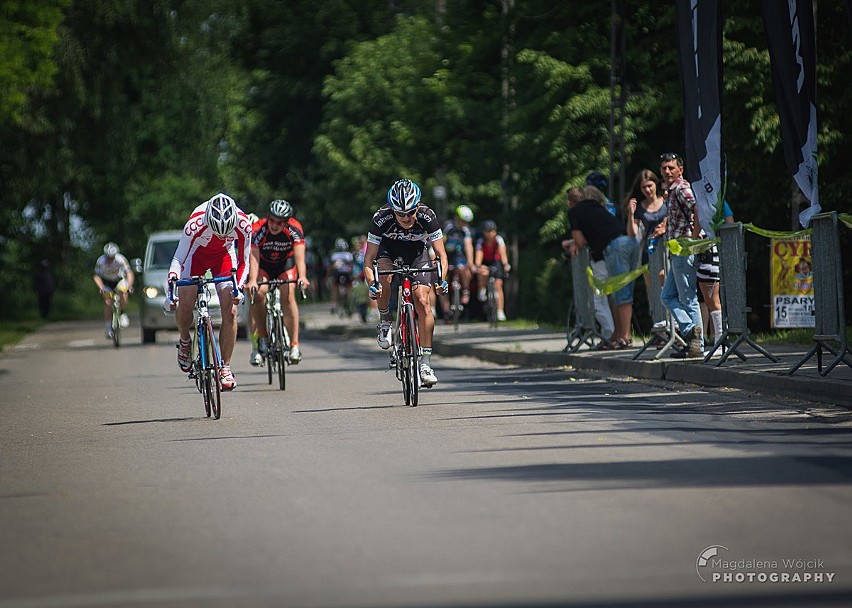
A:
x: 404, y: 196
x: 340, y: 245
x: 465, y: 213
x: 221, y: 214
x: 111, y: 250
x: 281, y: 208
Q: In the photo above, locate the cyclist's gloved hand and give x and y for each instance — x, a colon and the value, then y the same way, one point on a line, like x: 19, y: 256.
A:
x: 375, y: 290
x: 238, y: 299
x: 444, y: 287
x: 169, y: 305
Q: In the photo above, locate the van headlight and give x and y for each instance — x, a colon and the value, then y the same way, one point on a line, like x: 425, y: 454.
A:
x: 151, y: 292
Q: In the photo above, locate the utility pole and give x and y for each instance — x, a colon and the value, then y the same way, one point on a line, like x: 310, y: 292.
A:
x: 617, y: 100
x: 510, y: 197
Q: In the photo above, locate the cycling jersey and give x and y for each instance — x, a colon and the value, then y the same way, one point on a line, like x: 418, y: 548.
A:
x: 341, y: 262
x: 456, y: 236
x: 408, y: 243
x: 114, y: 271
x: 276, y: 250
x: 491, y: 250
x: 199, y: 250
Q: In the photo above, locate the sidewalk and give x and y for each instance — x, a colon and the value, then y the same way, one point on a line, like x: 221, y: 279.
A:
x: 541, y: 348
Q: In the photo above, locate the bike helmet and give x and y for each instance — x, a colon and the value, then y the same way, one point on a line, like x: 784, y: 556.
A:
x: 488, y: 226
x: 110, y: 250
x: 465, y: 213
x: 221, y: 214
x: 404, y: 196
x: 340, y: 245
x: 281, y: 208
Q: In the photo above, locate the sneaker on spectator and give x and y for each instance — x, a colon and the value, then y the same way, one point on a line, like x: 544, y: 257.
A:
x: 227, y: 379
x: 184, y: 356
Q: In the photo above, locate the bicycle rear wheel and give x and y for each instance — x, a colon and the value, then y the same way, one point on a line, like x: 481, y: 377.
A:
x: 211, y: 370
x: 411, y: 359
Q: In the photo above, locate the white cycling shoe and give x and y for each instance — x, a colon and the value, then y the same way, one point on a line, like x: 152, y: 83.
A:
x: 295, y: 354
x: 255, y: 359
x: 427, y: 376
x: 384, y: 335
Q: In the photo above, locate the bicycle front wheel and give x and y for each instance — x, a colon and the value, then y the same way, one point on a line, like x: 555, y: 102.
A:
x: 492, y: 305
x: 116, y: 326
x: 211, y: 369
x: 282, y: 346
x: 412, y: 357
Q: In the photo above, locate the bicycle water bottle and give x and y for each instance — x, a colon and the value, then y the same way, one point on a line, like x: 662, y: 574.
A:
x: 652, y: 245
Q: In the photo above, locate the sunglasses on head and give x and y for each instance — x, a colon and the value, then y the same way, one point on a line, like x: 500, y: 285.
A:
x: 669, y: 156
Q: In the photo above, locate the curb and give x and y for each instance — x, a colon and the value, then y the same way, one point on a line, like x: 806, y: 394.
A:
x: 767, y: 383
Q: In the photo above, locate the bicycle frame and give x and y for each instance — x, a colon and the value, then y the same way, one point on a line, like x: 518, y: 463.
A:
x: 405, y: 350
x: 207, y: 359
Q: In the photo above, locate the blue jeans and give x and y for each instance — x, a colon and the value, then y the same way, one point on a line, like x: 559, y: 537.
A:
x: 680, y: 294
x: 621, y: 255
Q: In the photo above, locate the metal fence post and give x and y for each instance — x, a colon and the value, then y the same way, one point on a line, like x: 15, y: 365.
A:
x: 732, y: 275
x: 585, y: 328
x: 830, y: 322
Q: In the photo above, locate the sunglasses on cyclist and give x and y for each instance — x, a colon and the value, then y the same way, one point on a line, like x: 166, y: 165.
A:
x: 405, y: 213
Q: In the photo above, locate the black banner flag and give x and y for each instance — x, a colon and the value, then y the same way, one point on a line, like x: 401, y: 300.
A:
x: 792, y: 50
x: 699, y: 33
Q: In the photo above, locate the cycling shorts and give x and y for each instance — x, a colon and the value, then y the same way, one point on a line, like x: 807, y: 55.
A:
x: 495, y: 269
x: 342, y: 278
x: 278, y: 271
x: 120, y: 285
x: 421, y: 259
x: 219, y: 264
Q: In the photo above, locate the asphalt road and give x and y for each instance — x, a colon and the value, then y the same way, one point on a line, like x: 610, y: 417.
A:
x: 506, y: 486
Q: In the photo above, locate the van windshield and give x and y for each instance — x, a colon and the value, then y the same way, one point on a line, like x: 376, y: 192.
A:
x: 161, y: 255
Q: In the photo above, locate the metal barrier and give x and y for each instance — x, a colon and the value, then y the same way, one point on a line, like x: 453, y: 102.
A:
x: 830, y: 322
x: 584, y: 328
x: 732, y: 273
x: 662, y: 319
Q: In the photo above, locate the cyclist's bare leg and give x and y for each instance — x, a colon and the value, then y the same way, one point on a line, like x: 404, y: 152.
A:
x: 291, y: 312
x: 383, y: 301
x: 107, y: 297
x: 185, y: 307
x: 425, y: 319
x: 228, y: 330
x: 498, y: 287
x: 258, y: 310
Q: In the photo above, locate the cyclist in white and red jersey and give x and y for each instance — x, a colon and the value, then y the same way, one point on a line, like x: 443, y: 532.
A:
x: 217, y: 238
x: 491, y: 259
x: 113, y: 275
x: 402, y: 229
x: 277, y: 252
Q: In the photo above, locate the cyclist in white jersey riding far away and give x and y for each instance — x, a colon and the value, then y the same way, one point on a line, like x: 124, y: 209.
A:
x: 216, y: 237
x: 113, y: 275
x: 401, y: 229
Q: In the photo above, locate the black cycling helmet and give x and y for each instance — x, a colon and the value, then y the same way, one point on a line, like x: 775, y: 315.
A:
x: 489, y: 225
x: 596, y: 179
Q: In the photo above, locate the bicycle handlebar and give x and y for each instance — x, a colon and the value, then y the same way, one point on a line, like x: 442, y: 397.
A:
x: 404, y: 269
x: 276, y: 283
x: 201, y: 281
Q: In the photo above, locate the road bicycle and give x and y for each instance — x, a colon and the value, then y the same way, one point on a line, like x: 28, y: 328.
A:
x: 490, y: 303
x: 456, y: 306
x: 405, y: 349
x: 115, y: 322
x: 277, y: 356
x: 206, y: 357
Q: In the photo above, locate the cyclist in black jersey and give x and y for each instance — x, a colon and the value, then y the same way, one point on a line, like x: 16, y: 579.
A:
x: 401, y: 229
x: 458, y: 242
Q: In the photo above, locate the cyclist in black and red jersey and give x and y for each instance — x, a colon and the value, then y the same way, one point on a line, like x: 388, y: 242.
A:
x: 491, y: 259
x: 401, y: 229
x: 277, y: 252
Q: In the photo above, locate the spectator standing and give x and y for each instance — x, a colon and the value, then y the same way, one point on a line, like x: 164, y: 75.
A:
x: 603, y: 311
x: 645, y: 209
x: 680, y: 294
x: 44, y: 285
x: 606, y: 237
